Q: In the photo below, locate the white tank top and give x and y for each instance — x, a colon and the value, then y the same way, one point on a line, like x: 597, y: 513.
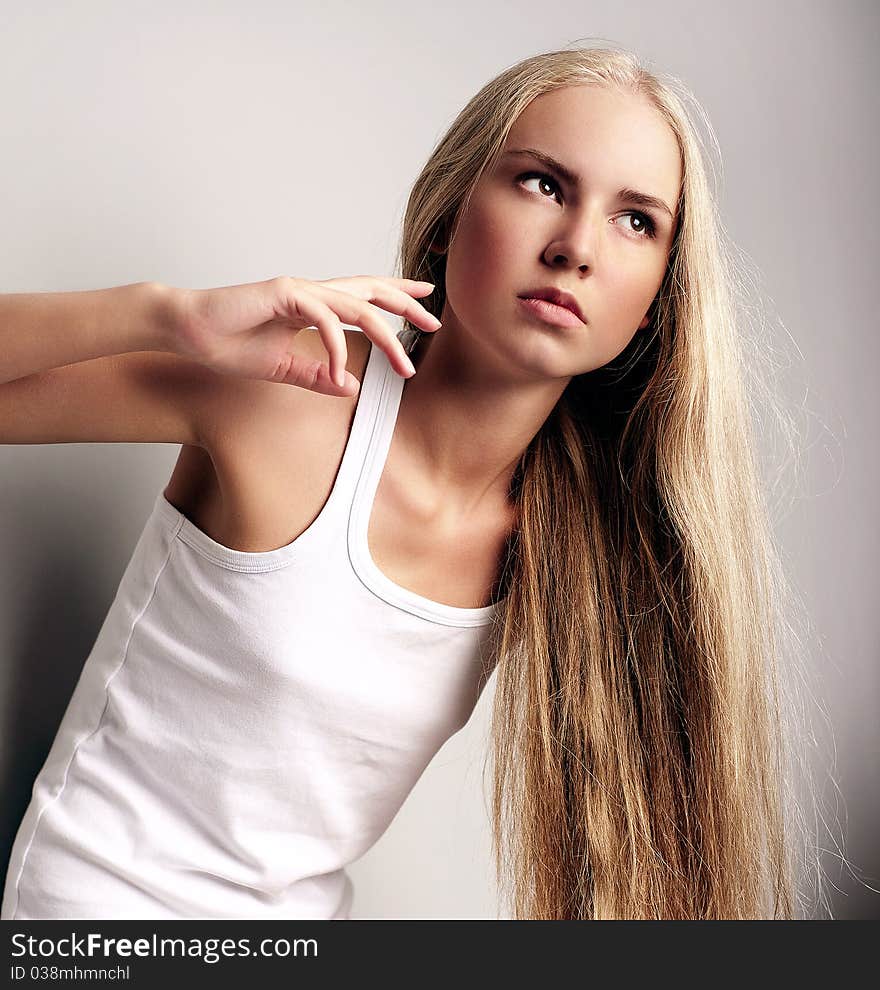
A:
x: 247, y: 724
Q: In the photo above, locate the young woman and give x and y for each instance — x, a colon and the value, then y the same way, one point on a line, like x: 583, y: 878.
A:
x: 565, y: 493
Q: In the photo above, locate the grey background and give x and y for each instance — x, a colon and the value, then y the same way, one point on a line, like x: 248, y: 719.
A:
x: 210, y: 144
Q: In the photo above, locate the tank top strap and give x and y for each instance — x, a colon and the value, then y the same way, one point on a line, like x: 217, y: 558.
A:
x: 369, y: 443
x: 327, y: 533
x: 374, y: 416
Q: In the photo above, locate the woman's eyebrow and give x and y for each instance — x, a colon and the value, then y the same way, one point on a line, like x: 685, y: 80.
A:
x: 573, y: 179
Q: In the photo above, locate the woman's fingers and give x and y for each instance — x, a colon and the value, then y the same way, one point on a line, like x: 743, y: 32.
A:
x: 357, y: 313
x: 343, y: 294
x: 249, y: 330
x: 345, y: 308
x: 400, y: 301
x: 394, y: 294
x: 325, y: 318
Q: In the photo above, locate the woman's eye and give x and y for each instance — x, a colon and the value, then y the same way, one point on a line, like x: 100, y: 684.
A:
x: 549, y: 180
x: 646, y: 227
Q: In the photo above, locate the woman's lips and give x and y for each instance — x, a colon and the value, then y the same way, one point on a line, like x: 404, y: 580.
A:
x: 549, y: 312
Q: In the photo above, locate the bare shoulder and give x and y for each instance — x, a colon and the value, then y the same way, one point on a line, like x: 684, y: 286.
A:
x: 245, y: 409
x: 268, y: 457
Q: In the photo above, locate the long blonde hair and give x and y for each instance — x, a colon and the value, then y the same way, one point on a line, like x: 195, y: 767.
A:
x: 639, y: 761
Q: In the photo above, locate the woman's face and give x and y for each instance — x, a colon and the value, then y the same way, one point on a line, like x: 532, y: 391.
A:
x: 521, y: 232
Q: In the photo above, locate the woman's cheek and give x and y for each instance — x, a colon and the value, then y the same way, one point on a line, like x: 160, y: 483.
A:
x: 478, y: 267
x: 633, y: 298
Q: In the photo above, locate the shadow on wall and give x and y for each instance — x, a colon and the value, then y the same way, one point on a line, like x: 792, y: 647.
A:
x: 56, y: 586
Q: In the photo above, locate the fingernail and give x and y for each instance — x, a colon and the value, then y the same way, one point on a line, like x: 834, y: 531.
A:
x: 409, y: 365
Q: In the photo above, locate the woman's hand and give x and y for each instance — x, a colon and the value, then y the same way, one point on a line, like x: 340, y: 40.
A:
x: 248, y: 330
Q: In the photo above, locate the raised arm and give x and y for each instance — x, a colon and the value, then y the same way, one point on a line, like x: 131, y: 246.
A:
x: 148, y: 363
x: 42, y: 330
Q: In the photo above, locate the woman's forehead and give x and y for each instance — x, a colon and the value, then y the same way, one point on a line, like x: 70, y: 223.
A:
x: 599, y: 134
